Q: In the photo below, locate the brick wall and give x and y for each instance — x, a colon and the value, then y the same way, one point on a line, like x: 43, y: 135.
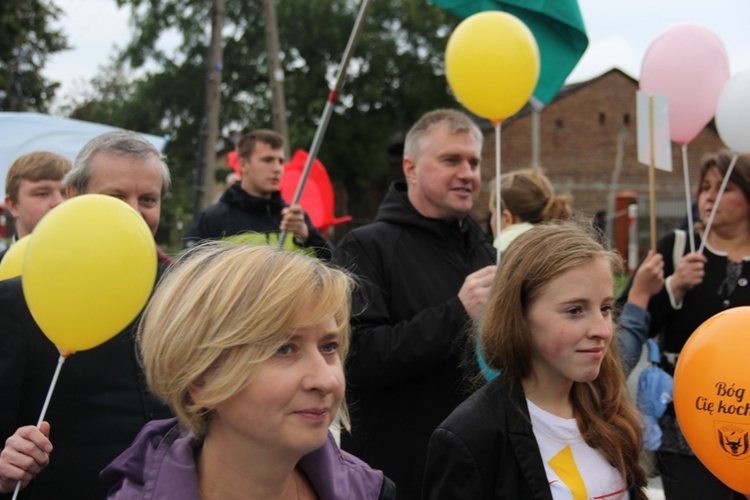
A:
x: 580, y: 132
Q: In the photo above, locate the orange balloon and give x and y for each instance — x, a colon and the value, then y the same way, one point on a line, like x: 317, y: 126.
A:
x: 712, y: 395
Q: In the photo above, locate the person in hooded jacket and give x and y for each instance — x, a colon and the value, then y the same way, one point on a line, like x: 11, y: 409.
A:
x: 246, y: 344
x: 252, y: 209
x: 426, y: 268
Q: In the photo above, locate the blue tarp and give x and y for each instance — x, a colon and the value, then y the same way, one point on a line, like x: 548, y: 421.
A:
x: 22, y: 133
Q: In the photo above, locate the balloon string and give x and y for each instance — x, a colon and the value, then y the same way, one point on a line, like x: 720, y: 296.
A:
x: 497, y: 188
x: 51, y: 389
x: 716, y: 203
x: 688, y: 199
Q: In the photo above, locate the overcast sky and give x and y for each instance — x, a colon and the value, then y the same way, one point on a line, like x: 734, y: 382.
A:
x: 619, y: 33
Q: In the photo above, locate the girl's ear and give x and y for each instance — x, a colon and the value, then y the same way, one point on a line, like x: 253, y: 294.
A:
x: 507, y: 218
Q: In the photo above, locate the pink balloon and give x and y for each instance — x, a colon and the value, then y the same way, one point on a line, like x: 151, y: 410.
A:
x: 689, y: 65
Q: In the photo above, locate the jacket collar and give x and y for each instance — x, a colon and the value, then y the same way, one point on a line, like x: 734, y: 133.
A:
x: 396, y: 208
x: 336, y: 474
x: 525, y: 446
x: 236, y: 196
x: 162, y: 462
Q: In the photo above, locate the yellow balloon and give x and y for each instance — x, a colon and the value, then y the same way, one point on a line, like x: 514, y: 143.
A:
x: 492, y: 64
x: 712, y: 396
x: 89, y: 270
x: 12, y: 262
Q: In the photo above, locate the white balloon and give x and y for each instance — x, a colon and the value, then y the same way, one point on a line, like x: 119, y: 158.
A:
x: 733, y: 113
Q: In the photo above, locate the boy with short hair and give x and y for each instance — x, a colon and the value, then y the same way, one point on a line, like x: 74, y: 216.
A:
x: 33, y: 187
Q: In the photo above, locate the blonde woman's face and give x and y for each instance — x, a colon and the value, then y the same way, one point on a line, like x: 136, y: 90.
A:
x: 293, y: 398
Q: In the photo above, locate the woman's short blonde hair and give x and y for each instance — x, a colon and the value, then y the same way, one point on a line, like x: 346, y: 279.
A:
x: 225, y: 308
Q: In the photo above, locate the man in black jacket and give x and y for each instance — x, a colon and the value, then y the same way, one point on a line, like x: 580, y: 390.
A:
x: 427, y: 268
x: 101, y: 400
x: 252, y: 209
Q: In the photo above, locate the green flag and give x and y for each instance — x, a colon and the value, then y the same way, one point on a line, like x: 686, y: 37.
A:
x: 557, y: 26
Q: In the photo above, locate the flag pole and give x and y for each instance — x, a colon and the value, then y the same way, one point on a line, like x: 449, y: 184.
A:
x: 333, y: 96
x: 536, y: 108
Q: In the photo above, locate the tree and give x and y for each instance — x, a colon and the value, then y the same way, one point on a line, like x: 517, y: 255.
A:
x: 26, y: 41
x: 396, y: 75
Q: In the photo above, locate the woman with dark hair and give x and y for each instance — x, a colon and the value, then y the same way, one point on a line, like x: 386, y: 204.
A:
x: 699, y: 285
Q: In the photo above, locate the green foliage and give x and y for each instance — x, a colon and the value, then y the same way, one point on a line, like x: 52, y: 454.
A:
x: 26, y: 40
x: 395, y: 76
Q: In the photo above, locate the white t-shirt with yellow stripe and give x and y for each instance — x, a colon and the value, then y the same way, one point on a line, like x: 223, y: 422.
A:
x: 575, y: 470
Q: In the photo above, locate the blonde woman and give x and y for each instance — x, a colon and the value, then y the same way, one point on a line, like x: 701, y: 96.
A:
x: 246, y: 344
x: 556, y: 423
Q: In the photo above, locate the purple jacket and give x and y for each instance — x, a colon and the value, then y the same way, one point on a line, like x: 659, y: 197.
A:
x: 160, y: 465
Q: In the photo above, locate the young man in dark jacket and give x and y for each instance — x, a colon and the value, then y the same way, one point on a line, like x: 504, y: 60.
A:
x: 427, y: 268
x: 33, y: 187
x: 252, y: 209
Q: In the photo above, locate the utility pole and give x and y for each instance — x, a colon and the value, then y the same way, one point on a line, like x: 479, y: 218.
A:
x: 536, y: 108
x: 275, y: 72
x: 204, y: 177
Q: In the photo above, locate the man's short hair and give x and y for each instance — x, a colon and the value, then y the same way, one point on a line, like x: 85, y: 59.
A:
x: 246, y: 144
x: 34, y: 167
x: 118, y: 143
x: 456, y: 120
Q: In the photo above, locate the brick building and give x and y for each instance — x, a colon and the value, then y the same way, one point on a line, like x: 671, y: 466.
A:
x: 584, y: 133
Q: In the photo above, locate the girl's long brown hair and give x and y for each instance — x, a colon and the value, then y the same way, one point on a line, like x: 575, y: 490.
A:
x: 607, y: 420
